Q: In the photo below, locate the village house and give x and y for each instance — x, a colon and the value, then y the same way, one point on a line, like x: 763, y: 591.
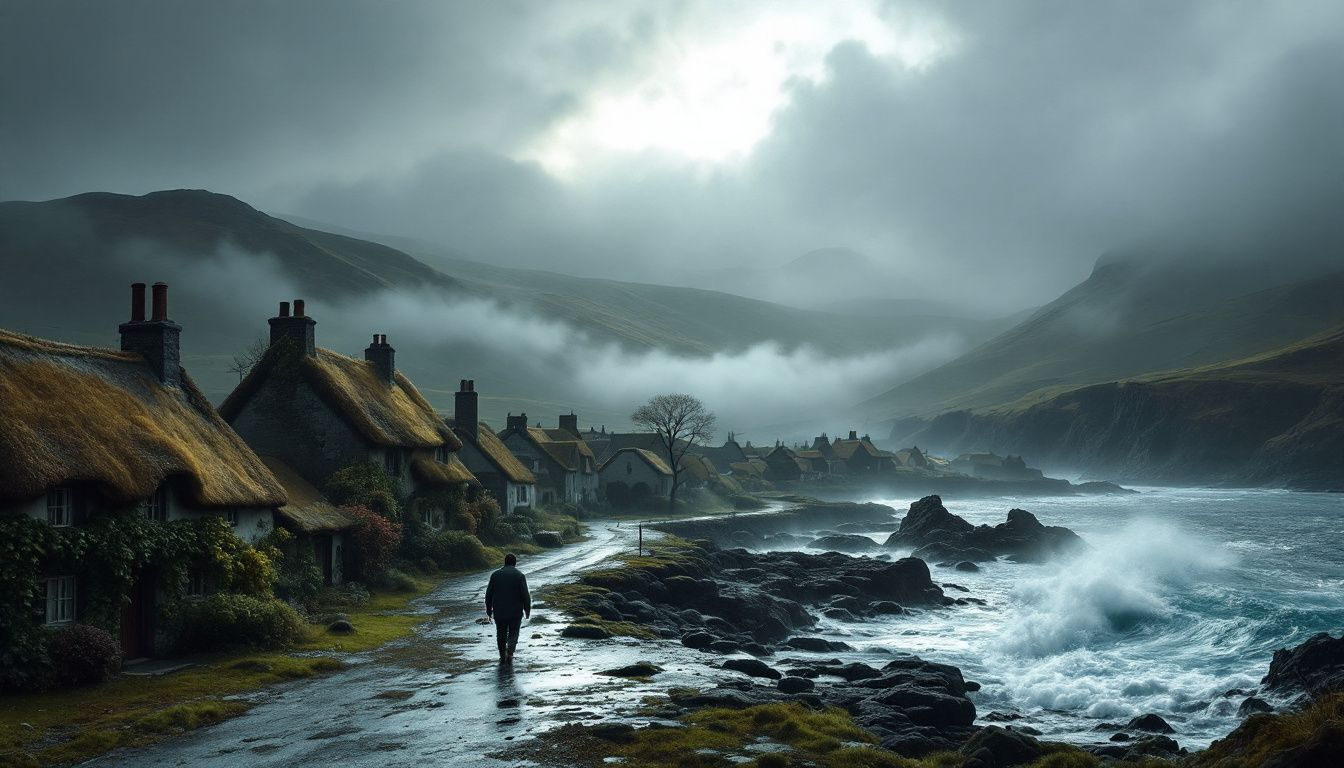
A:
x: 725, y: 455
x: 88, y: 433
x: 631, y: 475
x: 861, y: 457
x: 319, y: 412
x: 561, y: 461
x: 314, y: 521
x: 783, y: 465
x: 500, y: 472
x: 991, y: 466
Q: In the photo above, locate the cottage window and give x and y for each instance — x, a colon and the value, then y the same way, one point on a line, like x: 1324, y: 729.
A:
x: 60, y: 506
x: 60, y: 599
x: 156, y: 506
x: 441, y: 454
x: 232, y: 516
x: 196, y: 582
x: 522, y: 494
x: 392, y: 462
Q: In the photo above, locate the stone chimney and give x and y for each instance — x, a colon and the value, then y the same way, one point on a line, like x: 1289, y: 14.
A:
x: 296, y: 328
x: 383, y: 357
x: 853, y: 434
x: 570, y: 423
x: 518, y: 422
x: 465, y: 413
x: 157, y: 339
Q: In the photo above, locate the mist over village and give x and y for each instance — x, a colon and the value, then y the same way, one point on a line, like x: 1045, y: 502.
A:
x: 876, y: 383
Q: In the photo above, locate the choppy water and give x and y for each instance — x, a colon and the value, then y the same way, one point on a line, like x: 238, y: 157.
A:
x: 1182, y: 595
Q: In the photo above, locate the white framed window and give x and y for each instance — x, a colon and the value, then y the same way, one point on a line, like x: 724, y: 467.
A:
x: 60, y: 507
x: 522, y: 494
x: 60, y: 599
x: 156, y: 506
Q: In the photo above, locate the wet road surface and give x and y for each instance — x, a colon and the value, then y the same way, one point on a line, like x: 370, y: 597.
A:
x: 440, y: 697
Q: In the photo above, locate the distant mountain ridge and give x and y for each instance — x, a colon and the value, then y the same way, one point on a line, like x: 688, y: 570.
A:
x: 1275, y: 418
x: 1127, y: 319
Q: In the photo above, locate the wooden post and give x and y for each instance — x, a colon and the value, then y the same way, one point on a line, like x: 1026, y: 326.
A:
x: 641, y: 538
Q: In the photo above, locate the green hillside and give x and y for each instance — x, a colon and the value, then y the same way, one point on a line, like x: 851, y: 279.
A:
x: 1125, y: 320
x: 1275, y: 418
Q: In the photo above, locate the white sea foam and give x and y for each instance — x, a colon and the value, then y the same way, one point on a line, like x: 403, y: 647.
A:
x: 1114, y: 587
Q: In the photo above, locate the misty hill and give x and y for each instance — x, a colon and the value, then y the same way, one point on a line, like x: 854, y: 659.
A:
x: 68, y: 263
x: 1276, y: 418
x: 1129, y: 318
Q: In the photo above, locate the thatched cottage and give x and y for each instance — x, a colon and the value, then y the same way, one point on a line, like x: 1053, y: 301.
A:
x: 315, y: 522
x: 498, y: 470
x: 561, y: 461
x: 87, y: 432
x: 632, y: 474
x: 319, y: 412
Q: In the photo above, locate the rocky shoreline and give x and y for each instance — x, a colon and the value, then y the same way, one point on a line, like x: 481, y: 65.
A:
x: 750, y: 612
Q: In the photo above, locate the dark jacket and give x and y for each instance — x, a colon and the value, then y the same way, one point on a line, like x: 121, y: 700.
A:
x: 507, y: 596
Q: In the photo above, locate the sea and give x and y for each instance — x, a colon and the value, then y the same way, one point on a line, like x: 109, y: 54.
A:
x: 1178, y: 602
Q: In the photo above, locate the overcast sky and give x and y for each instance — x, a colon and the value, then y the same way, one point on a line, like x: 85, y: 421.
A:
x: 994, y: 148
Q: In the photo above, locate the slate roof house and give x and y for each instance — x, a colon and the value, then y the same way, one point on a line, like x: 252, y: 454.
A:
x: 561, y: 461
x: 632, y: 474
x: 87, y: 432
x: 318, y: 412
x: 485, y: 455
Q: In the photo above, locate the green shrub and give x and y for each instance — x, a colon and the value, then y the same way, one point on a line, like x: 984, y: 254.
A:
x: 397, y: 581
x: 373, y: 541
x: 365, y: 485
x: 82, y: 655
x: 225, y: 621
x: 460, y: 551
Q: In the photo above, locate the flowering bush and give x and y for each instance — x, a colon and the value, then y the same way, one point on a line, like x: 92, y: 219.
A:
x: 374, y: 541
x: 82, y: 655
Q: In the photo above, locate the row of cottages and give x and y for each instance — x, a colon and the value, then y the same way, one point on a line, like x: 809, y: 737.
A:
x: 312, y: 412
x: 89, y: 432
x: 855, y: 457
x: 562, y: 462
x: 485, y: 455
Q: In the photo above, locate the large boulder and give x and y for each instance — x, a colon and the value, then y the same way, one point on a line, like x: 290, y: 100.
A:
x: 844, y: 542
x: 1006, y: 747
x: 1316, y: 667
x: 941, y: 536
x: 928, y: 520
x: 752, y: 667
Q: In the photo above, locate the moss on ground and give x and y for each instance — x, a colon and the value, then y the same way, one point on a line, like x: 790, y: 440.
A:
x: 71, y: 726
x: 1271, y: 738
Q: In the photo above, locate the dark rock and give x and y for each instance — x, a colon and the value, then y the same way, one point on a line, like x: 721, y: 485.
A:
x: 549, y: 539
x: 967, y: 565
x: 850, y: 672
x: 1007, y: 747
x: 697, y: 639
x: 725, y: 646
x: 818, y: 644
x: 1150, y: 723
x: 972, y: 686
x: 719, y: 625
x: 886, y: 607
x: 795, y: 684
x: 607, y: 611
x: 958, y: 587
x: 638, y: 669
x: 752, y: 667
x: 839, y: 614
x: 585, y: 632
x: 620, y: 733
x: 685, y: 590
x: 730, y: 698
x: 756, y: 649
x: 941, y: 535
x: 844, y: 542
x: 851, y: 604
x: 1001, y: 717
x: 925, y: 706
x: 923, y: 522
x: 341, y: 627
x: 1121, y: 736
x: 1316, y: 667
x: 1252, y: 705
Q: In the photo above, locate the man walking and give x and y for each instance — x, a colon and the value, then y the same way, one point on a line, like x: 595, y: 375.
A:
x: 508, y: 601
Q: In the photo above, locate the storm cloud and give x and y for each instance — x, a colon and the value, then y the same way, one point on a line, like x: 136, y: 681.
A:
x: 993, y: 150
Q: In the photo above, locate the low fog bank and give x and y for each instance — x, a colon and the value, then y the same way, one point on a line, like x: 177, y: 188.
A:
x: 522, y: 362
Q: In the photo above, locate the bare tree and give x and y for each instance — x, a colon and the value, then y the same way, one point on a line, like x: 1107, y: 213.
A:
x: 245, y: 361
x: 680, y: 421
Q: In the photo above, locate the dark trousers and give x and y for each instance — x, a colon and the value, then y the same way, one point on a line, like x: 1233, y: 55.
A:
x: 506, y: 633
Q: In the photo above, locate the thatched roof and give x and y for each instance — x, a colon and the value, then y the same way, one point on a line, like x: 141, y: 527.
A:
x: 561, y: 446
x: 846, y: 449
x: 648, y: 457
x: 307, y: 509
x: 498, y: 454
x: 396, y: 415
x: 85, y: 414
x: 698, y: 467
x: 450, y: 472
